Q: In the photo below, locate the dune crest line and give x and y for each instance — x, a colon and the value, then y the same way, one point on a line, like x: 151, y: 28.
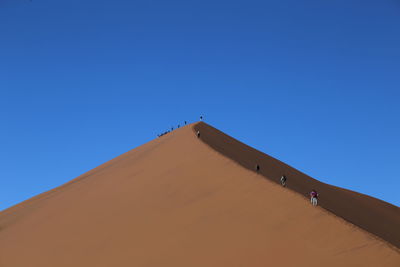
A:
x: 373, y: 215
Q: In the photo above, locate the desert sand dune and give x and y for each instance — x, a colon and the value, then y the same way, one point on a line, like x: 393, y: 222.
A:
x: 371, y: 214
x: 180, y: 200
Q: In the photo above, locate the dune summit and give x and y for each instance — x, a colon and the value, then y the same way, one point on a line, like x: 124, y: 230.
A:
x: 180, y: 200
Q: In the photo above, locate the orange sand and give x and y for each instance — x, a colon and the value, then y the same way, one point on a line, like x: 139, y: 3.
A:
x: 176, y: 201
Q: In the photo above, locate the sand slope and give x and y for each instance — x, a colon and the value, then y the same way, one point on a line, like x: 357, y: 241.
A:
x: 176, y: 201
x: 371, y: 214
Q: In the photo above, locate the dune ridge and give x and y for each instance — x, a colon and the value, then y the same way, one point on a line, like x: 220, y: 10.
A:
x: 176, y: 201
x: 372, y: 214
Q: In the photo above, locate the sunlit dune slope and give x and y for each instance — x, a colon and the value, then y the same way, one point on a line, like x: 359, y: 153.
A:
x: 180, y: 200
x: 371, y: 214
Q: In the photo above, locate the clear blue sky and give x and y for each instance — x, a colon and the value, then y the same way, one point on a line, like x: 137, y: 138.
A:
x: 315, y: 84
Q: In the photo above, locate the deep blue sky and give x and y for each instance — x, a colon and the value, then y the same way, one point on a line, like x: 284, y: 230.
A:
x: 315, y: 84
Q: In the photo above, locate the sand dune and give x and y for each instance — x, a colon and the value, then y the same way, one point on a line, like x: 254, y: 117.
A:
x: 371, y: 214
x: 183, y: 201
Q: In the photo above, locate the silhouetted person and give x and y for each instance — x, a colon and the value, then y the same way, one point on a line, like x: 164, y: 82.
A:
x: 283, y: 180
x: 201, y: 118
x: 185, y: 122
x: 198, y: 134
x: 257, y: 167
x: 314, y: 197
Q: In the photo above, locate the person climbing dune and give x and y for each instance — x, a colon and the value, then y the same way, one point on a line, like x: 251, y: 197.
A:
x: 314, y: 197
x: 283, y: 180
x: 198, y: 134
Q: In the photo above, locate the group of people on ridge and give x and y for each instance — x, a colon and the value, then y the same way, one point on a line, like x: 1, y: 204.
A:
x: 172, y: 128
x: 168, y: 131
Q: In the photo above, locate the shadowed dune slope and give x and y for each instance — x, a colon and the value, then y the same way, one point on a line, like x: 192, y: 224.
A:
x: 371, y: 214
x: 176, y: 201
